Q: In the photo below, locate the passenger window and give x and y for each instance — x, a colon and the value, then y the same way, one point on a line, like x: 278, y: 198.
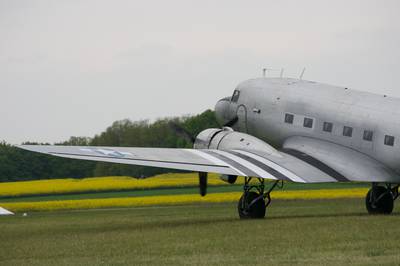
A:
x: 289, y: 118
x: 347, y: 131
x: 235, y: 96
x: 327, y: 127
x: 389, y: 140
x: 368, y: 135
x: 308, y: 122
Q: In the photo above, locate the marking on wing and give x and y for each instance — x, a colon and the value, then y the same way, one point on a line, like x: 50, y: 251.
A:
x: 108, y: 152
x: 215, y: 160
x: 317, y: 164
x: 243, y: 170
x: 273, y: 166
x: 257, y: 171
x: 266, y: 168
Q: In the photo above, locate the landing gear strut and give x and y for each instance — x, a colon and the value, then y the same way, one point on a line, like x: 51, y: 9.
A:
x: 380, y: 199
x: 254, y: 200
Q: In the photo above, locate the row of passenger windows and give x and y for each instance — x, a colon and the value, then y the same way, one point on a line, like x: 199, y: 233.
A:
x: 347, y: 131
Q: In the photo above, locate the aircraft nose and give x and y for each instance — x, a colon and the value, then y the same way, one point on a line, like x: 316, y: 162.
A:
x: 221, y: 110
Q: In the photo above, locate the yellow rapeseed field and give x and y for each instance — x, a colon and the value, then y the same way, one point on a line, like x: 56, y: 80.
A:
x: 97, y: 184
x: 177, y: 199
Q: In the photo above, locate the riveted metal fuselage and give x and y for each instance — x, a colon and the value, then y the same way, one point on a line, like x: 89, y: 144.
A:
x: 264, y: 102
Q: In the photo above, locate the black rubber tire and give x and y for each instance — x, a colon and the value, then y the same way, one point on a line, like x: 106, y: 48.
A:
x: 256, y: 211
x: 384, y: 204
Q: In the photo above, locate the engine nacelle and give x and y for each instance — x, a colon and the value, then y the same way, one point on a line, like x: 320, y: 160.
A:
x: 228, y: 139
x: 231, y: 179
x: 203, y: 139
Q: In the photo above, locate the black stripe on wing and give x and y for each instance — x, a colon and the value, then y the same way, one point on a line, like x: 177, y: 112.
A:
x: 240, y: 167
x: 263, y: 166
x: 317, y: 164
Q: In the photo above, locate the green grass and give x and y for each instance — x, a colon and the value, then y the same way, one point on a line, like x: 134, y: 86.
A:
x: 329, y: 232
x: 172, y: 191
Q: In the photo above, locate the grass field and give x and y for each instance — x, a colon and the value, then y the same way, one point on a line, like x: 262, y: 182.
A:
x: 331, y: 227
x: 295, y: 232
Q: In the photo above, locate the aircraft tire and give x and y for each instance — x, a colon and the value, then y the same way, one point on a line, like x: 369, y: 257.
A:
x: 256, y: 211
x: 384, y: 202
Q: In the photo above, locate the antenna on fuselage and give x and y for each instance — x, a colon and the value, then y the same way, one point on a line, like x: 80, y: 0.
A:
x: 272, y: 69
x: 302, y: 73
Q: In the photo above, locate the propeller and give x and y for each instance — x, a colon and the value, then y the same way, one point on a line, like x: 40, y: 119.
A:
x: 185, y: 134
x: 203, y: 183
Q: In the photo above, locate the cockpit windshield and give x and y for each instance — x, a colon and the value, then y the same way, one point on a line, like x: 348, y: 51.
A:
x: 235, y: 96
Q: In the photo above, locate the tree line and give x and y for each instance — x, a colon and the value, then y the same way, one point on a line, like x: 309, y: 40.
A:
x: 17, y: 164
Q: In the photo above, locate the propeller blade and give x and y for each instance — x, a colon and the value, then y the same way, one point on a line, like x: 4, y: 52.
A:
x: 203, y: 183
x: 231, y: 122
x: 180, y: 131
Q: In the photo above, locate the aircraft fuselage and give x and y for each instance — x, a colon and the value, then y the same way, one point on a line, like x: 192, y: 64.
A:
x: 274, y: 109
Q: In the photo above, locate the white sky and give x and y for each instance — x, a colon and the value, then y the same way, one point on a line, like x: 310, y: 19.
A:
x: 71, y: 68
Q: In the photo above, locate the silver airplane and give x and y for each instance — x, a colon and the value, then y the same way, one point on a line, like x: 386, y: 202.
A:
x: 283, y: 129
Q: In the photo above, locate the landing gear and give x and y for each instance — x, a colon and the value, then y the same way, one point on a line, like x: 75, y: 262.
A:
x: 380, y: 199
x: 252, y: 204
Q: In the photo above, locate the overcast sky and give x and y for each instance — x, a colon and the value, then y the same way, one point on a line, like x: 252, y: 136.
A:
x: 71, y: 68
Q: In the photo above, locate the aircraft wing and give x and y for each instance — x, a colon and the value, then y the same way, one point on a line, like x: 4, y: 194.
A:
x: 241, y: 162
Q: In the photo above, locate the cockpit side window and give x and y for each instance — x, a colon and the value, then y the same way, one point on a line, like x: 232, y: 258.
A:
x: 235, y: 96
